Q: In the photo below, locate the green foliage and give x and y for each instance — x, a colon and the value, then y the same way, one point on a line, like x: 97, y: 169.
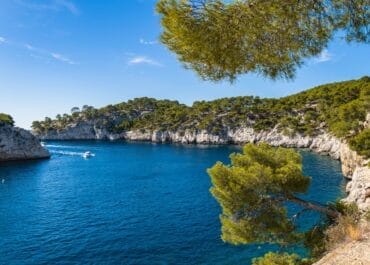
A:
x: 252, y: 191
x: 314, y: 240
x: 125, y: 125
x: 6, y: 119
x: 223, y: 39
x: 348, y: 117
x: 349, y: 210
x: 272, y: 258
x: 361, y: 143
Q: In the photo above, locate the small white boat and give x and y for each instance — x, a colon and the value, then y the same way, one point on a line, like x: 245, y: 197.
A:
x: 43, y: 144
x: 87, y: 154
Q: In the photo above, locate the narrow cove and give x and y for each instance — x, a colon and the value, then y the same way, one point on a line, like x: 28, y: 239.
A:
x: 133, y: 203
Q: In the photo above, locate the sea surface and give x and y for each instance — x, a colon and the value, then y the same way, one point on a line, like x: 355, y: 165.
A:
x: 132, y: 203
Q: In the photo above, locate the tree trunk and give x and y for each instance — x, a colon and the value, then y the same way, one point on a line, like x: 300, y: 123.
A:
x: 309, y: 205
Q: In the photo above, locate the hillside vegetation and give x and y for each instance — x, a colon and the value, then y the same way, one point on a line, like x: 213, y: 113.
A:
x: 339, y: 108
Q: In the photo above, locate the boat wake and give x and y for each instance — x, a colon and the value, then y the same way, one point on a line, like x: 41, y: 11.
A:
x: 68, y: 153
x: 58, y: 150
x: 63, y: 146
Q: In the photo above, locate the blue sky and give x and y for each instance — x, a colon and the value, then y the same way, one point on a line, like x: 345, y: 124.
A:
x: 56, y: 54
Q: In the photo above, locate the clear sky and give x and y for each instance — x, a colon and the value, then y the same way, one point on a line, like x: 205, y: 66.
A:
x: 56, y: 54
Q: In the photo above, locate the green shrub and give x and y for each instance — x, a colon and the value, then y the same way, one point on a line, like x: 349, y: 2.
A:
x: 272, y: 258
x: 361, y: 143
x: 314, y: 241
x: 125, y: 125
x: 346, y: 227
x: 6, y: 119
x: 348, y: 118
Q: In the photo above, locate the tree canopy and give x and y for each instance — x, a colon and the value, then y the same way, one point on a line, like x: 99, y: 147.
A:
x: 6, y: 119
x: 272, y: 258
x: 223, y: 39
x: 361, y: 143
x: 253, y: 192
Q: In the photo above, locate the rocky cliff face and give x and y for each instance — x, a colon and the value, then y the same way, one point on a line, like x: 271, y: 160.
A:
x: 323, y: 143
x: 358, y: 169
x: 354, y: 167
x: 351, y: 253
x: 19, y: 144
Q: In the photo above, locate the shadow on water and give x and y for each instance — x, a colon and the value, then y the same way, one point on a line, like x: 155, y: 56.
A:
x: 13, y: 166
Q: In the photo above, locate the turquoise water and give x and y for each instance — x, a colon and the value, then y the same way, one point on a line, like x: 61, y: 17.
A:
x: 130, y: 204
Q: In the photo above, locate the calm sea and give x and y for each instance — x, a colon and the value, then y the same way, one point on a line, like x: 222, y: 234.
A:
x: 132, y: 203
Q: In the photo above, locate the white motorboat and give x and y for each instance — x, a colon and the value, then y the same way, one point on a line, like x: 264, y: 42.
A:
x: 87, y: 154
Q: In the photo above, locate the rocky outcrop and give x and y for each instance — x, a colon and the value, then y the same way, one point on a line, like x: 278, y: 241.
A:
x: 19, y: 144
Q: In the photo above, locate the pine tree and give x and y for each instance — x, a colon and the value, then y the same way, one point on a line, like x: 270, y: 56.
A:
x: 223, y: 39
x: 253, y: 192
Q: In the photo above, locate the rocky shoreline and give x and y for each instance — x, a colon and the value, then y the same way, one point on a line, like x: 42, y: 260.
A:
x: 354, y: 167
x: 19, y: 144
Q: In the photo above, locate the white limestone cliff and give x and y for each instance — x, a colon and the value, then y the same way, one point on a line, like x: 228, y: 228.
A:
x: 19, y: 144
